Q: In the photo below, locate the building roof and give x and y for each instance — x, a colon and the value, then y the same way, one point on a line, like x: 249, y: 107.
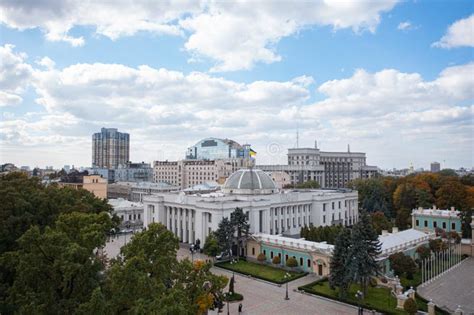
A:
x: 249, y: 182
x: 121, y: 203
x: 436, y: 212
x: 395, y: 242
x: 298, y: 243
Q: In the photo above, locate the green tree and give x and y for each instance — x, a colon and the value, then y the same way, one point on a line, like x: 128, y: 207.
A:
x: 339, y: 277
x: 56, y: 270
x: 225, y: 234
x: 365, y: 247
x: 380, y: 222
x: 276, y: 260
x: 423, y: 252
x: 402, y: 264
x: 241, y: 227
x: 466, y: 219
x: 211, y: 246
x: 410, y: 306
x: 291, y: 262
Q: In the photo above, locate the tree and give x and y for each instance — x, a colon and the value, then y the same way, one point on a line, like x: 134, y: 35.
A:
x: 375, y: 194
x: 365, y: 247
x: 56, y: 270
x: 321, y: 233
x: 339, y: 277
x: 423, y: 252
x: 261, y: 257
x: 310, y: 184
x: 451, y: 194
x: 291, y: 262
x: 466, y: 219
x: 241, y: 227
x: 211, y: 246
x: 437, y: 245
x: 276, y: 260
x: 410, y: 306
x: 225, y: 234
x: 402, y: 264
x: 380, y: 222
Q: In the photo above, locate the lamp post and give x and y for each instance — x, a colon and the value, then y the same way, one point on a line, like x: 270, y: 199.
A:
x: 125, y: 234
x: 287, y: 276
x: 191, y: 249
x: 233, y: 262
x: 359, y: 296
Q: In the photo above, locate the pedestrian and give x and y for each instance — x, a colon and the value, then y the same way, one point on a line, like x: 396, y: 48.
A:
x: 240, y: 308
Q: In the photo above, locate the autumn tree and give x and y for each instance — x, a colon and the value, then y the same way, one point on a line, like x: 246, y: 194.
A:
x: 380, y: 222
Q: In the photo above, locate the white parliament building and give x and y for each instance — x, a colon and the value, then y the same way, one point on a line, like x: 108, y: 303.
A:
x: 271, y: 211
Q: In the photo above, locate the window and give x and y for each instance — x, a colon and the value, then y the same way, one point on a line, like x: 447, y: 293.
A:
x: 271, y: 254
x: 265, y: 252
x: 286, y: 257
x: 309, y: 263
x: 339, y: 205
x: 444, y: 225
x: 301, y: 261
x: 435, y: 224
x: 294, y: 224
x: 210, y: 218
x: 324, y: 207
x: 253, y: 251
x: 453, y: 226
x: 324, y: 219
x: 417, y: 222
x: 426, y: 223
x: 333, y: 206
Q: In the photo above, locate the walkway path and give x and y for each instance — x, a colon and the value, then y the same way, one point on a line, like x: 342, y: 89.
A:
x: 264, y: 298
x: 454, y: 288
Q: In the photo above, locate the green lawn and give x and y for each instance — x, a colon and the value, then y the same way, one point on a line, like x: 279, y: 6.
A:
x: 407, y: 283
x: 377, y: 298
x: 261, y: 271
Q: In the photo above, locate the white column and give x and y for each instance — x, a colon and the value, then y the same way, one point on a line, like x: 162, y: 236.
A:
x: 198, y: 226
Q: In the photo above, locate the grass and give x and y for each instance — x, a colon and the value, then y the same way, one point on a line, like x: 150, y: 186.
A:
x: 234, y: 297
x: 407, y: 283
x: 265, y: 272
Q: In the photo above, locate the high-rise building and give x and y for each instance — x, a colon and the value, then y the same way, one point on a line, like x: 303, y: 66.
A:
x: 110, y: 148
x: 218, y: 149
x: 435, y: 167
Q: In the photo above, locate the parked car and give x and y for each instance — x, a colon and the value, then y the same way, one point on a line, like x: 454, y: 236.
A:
x: 224, y: 256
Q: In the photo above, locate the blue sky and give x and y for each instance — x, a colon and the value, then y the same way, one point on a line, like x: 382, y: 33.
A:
x: 393, y: 79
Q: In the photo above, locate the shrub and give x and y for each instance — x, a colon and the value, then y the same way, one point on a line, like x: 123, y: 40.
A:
x: 373, y: 282
x: 276, y: 260
x: 410, y: 306
x: 291, y: 262
x: 384, y: 280
x: 261, y: 257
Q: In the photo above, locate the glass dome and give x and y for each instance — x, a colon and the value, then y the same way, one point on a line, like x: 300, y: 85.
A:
x: 249, y: 182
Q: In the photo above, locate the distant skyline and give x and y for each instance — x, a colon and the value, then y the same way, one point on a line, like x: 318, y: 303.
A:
x: 392, y: 79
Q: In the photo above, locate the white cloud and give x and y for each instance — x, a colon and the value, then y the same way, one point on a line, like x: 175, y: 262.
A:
x: 15, y: 75
x: 405, y: 26
x: 377, y: 112
x: 235, y: 35
x: 459, y: 34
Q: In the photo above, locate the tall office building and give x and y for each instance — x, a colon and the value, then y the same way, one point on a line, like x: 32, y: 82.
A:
x: 110, y: 148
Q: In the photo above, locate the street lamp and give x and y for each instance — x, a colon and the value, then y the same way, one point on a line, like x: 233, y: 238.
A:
x: 287, y: 276
x: 233, y: 262
x: 359, y: 296
x: 125, y: 234
x: 192, y: 250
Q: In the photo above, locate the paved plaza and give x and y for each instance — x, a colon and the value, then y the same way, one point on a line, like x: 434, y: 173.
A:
x: 265, y: 298
x: 454, y: 288
x: 259, y: 297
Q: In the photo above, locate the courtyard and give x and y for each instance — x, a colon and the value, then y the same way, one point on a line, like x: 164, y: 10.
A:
x: 453, y: 288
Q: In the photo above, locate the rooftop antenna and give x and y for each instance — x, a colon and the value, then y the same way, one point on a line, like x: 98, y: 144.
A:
x: 348, y: 148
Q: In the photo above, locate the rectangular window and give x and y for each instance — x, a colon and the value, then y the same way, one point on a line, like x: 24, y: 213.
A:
x: 339, y: 205
x: 301, y: 261
x: 435, y: 224
x: 253, y: 251
x: 417, y: 222
x: 453, y: 226
x: 324, y: 207
x: 286, y: 257
x: 444, y: 225
x: 209, y: 218
x: 309, y: 263
x: 324, y: 219
x: 271, y: 254
x: 426, y: 223
x: 333, y: 206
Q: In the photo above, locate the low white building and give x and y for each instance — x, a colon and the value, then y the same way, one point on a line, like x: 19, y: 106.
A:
x: 130, y: 213
x: 271, y: 211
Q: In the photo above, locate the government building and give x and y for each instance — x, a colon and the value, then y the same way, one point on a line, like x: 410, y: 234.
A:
x: 329, y: 169
x: 270, y: 210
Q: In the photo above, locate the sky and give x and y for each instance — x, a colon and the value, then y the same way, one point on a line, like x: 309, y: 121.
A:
x: 392, y: 79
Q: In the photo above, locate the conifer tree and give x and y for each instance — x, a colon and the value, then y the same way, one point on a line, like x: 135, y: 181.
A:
x: 339, y: 276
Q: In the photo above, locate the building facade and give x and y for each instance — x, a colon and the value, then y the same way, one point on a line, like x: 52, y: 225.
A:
x: 188, y: 173
x: 427, y: 220
x: 134, y: 172
x: 130, y: 213
x: 329, y: 169
x: 194, y: 216
x: 218, y: 149
x: 110, y: 148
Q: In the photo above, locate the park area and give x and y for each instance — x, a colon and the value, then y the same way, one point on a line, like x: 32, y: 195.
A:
x: 379, y: 299
x: 261, y: 271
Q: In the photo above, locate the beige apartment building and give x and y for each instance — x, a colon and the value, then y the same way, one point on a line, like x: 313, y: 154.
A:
x: 96, y: 184
x: 188, y: 173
